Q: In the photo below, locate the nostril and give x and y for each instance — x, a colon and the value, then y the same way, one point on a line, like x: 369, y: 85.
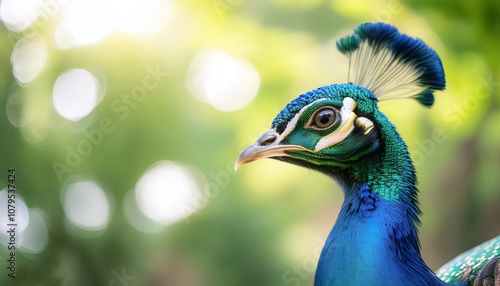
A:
x: 268, y: 140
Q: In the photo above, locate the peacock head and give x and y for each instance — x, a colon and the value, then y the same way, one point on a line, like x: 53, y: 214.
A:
x: 339, y: 126
x: 329, y: 126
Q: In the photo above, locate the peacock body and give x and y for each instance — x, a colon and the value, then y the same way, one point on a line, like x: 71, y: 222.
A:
x: 338, y: 130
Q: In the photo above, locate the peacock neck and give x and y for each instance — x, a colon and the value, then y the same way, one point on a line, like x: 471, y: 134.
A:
x: 373, y: 242
x: 375, y: 238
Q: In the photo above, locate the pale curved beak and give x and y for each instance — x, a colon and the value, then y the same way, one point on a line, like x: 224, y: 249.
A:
x: 267, y: 146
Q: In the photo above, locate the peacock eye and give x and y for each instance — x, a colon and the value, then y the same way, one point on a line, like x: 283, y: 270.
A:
x: 324, y: 118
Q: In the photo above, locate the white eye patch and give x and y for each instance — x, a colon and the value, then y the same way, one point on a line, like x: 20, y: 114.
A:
x: 346, y: 126
x: 291, y: 125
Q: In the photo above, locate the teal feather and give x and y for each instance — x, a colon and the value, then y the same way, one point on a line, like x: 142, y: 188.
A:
x: 470, y: 262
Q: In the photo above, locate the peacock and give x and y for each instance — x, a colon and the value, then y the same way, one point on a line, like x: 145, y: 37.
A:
x: 339, y: 131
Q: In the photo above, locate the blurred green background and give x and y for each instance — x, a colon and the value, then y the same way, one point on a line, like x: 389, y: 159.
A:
x: 123, y: 120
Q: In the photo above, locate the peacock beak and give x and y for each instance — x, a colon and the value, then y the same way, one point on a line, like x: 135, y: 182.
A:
x: 267, y: 146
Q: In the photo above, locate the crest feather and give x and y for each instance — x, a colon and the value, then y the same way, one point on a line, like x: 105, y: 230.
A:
x: 391, y: 64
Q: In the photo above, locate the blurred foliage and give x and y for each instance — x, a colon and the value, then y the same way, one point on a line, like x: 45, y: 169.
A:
x: 268, y: 218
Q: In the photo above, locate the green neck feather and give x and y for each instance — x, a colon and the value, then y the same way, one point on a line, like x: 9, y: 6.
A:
x: 389, y: 171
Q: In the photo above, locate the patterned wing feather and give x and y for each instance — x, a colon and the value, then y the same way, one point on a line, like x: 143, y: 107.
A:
x: 478, y: 266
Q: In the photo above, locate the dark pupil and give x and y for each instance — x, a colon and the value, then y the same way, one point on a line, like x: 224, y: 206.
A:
x: 324, y: 118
